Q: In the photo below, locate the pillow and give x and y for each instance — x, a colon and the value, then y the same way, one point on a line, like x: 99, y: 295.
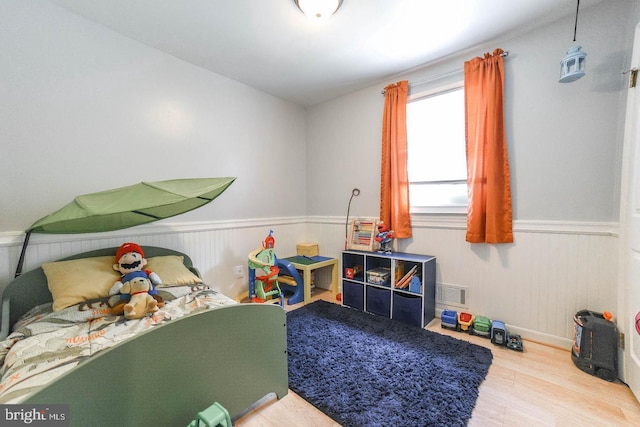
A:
x: 171, y: 270
x: 74, y: 281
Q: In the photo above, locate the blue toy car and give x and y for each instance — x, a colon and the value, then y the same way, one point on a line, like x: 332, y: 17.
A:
x: 449, y: 319
x: 499, y: 334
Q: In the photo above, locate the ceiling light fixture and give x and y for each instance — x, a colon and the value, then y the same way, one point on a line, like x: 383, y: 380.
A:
x: 318, y: 9
x: 573, y: 64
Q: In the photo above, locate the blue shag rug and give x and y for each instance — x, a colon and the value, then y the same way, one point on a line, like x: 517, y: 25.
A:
x: 364, y: 370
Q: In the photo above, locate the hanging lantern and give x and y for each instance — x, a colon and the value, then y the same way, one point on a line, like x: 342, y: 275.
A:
x: 573, y: 64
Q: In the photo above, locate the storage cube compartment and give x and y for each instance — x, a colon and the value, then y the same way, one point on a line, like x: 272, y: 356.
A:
x: 407, y: 308
x: 353, y: 266
x: 373, y: 263
x: 407, y: 276
x: 353, y: 295
x: 379, y: 301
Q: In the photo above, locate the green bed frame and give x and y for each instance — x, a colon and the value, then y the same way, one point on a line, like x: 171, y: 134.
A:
x: 235, y: 355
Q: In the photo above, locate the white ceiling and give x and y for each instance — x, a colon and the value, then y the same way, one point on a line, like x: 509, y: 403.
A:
x: 272, y: 46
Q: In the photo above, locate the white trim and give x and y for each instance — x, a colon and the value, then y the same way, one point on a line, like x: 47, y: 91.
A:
x: 330, y: 219
x: 17, y: 237
x: 436, y: 90
x: 446, y: 222
x: 459, y: 222
x: 568, y: 227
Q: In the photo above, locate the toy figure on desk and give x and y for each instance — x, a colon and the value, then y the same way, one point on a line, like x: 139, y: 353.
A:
x: 384, y: 237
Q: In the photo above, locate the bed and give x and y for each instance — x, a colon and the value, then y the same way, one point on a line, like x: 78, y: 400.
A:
x: 200, y: 348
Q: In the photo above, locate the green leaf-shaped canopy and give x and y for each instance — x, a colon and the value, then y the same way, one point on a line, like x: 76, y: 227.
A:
x: 130, y: 206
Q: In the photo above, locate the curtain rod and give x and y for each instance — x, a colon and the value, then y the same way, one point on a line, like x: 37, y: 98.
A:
x: 442, y: 76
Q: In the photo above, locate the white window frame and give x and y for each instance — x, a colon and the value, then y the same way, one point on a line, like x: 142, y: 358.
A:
x: 450, y: 208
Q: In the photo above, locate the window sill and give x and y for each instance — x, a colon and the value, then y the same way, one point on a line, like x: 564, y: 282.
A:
x: 450, y: 221
x: 440, y: 210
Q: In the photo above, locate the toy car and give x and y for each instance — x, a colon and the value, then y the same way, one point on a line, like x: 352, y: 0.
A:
x: 464, y: 321
x: 449, y: 319
x: 498, y: 332
x: 481, y: 326
x: 514, y: 342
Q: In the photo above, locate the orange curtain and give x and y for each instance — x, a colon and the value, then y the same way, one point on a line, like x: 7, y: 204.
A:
x: 489, y: 217
x: 394, y: 181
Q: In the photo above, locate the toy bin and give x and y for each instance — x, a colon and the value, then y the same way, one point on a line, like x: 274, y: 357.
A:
x: 353, y: 295
x: 380, y: 276
x: 595, y: 347
x: 408, y: 309
x: 379, y: 301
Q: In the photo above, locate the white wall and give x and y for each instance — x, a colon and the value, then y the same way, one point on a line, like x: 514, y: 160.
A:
x: 564, y: 140
x: 84, y: 109
x: 564, y: 143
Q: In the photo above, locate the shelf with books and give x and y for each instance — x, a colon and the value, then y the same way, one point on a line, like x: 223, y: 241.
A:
x: 396, y: 285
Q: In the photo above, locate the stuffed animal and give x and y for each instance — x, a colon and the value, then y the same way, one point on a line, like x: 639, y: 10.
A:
x: 130, y: 263
x: 141, y: 303
x: 384, y: 237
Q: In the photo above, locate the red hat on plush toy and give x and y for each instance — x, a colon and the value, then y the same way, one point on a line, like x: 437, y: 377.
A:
x: 128, y: 247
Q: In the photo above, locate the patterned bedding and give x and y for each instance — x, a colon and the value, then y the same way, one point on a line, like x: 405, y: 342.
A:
x: 46, y: 344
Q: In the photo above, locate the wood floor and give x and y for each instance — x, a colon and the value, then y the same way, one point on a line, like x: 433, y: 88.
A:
x: 538, y: 387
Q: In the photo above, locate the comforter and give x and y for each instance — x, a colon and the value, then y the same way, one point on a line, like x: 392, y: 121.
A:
x: 46, y: 344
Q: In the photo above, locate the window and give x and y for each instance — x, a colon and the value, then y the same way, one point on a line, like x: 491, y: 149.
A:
x: 437, y: 165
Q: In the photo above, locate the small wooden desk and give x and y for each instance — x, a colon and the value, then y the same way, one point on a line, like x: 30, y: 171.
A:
x: 308, y: 264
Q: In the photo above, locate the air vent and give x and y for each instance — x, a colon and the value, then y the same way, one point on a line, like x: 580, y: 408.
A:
x: 452, y: 295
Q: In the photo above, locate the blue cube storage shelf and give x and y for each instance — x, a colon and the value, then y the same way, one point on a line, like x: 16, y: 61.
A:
x: 407, y: 296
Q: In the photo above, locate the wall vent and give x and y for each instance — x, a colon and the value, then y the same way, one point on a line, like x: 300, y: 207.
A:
x: 452, y: 295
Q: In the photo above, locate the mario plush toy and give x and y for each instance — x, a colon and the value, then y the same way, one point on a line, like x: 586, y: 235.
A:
x: 384, y: 237
x: 130, y: 263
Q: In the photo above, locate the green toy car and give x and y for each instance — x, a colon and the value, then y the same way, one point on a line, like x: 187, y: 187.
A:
x: 481, y: 326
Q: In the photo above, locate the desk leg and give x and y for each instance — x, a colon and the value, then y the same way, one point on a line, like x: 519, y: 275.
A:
x: 307, y: 285
x: 334, y: 279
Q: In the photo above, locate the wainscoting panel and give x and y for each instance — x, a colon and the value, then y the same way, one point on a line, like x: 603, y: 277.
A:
x: 534, y: 285
x: 215, y: 248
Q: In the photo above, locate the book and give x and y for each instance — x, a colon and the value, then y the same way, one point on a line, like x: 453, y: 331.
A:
x: 404, y: 282
x: 399, y: 271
